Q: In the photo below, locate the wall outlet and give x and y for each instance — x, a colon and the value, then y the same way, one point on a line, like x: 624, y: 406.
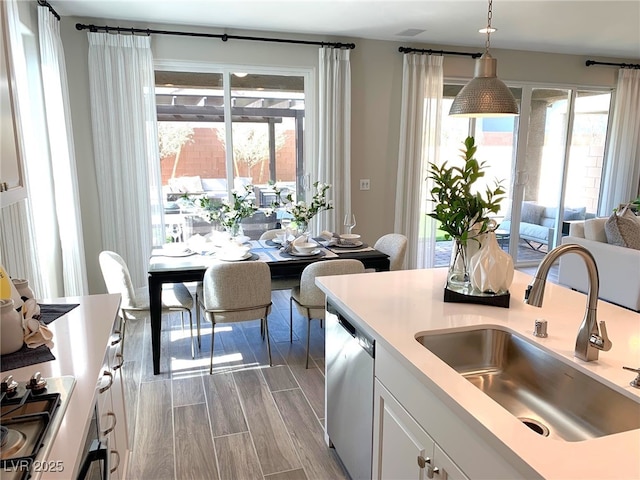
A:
x: 365, y: 184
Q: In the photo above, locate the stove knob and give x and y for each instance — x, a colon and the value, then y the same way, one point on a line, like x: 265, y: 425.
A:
x: 37, y: 384
x: 9, y: 385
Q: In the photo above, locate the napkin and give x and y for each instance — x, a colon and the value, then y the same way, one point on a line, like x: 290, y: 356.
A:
x: 300, y: 239
x: 329, y: 237
x: 35, y: 332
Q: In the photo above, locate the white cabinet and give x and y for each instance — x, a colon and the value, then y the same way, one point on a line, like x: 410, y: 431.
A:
x: 110, y: 402
x: 412, y: 420
x: 402, y: 449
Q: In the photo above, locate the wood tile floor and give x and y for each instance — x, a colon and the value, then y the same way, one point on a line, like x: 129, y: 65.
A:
x: 246, y: 421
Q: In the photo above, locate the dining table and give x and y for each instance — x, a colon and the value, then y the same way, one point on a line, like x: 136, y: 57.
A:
x: 173, y: 265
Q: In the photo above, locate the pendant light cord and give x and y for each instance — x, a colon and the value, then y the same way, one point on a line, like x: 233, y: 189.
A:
x: 489, y: 15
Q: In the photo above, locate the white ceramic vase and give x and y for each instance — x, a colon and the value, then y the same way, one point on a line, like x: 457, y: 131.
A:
x: 11, y: 331
x: 22, y: 285
x: 491, y: 268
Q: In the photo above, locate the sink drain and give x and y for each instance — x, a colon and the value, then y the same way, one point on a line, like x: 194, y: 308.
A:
x: 535, y: 425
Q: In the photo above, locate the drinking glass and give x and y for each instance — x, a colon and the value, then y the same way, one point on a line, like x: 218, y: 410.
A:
x: 350, y: 221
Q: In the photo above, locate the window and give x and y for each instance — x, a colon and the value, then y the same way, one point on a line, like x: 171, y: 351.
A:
x: 262, y: 120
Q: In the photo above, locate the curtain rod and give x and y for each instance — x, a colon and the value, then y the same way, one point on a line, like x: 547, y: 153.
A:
x: 224, y: 37
x: 437, y: 52
x: 44, y: 3
x: 588, y: 63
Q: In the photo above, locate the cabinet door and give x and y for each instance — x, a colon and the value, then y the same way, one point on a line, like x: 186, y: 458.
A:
x: 117, y: 398
x: 446, y: 469
x: 108, y: 419
x: 398, y: 441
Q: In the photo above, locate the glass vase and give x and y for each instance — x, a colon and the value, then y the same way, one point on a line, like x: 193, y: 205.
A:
x: 458, y: 278
x: 302, y: 227
x: 233, y: 230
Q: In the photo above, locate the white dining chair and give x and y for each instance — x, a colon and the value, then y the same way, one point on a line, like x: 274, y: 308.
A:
x: 271, y: 234
x: 309, y: 299
x: 236, y: 292
x: 135, y: 302
x: 395, y: 246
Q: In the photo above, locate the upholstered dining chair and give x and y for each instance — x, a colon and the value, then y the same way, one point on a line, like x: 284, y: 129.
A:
x: 271, y: 234
x: 135, y: 302
x: 236, y: 292
x: 394, y: 245
x: 309, y: 299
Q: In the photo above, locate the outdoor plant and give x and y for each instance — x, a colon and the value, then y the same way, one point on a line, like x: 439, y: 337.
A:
x: 302, y: 212
x: 229, y: 214
x: 458, y: 206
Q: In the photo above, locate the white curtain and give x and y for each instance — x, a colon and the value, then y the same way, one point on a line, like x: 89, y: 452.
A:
x: 16, y: 246
x: 622, y: 170
x: 422, y: 83
x: 64, y: 192
x: 334, y: 152
x: 125, y: 139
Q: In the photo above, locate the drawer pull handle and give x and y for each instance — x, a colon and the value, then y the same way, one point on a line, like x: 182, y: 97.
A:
x: 116, y: 340
x: 120, y: 357
x: 117, y: 454
x: 113, y: 425
x: 107, y: 373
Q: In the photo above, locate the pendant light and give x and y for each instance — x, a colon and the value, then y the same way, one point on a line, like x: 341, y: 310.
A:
x: 485, y: 95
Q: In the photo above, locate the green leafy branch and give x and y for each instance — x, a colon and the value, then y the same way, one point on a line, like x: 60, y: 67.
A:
x: 458, y: 207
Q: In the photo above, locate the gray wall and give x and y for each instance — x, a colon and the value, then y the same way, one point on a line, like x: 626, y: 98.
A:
x: 376, y: 93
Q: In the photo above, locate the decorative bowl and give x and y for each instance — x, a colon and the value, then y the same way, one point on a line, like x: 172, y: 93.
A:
x: 306, y: 247
x: 349, y: 237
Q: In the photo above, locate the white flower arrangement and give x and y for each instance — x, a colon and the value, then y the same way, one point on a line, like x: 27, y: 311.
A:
x: 302, y: 212
x: 229, y: 214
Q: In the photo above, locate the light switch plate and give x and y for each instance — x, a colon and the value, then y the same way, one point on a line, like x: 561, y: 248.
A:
x: 365, y: 184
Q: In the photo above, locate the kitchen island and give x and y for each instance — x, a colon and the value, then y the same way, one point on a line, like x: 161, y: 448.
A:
x: 473, y: 434
x: 83, y: 350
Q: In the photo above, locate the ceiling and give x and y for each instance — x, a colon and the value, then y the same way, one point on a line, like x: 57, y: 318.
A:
x: 605, y: 28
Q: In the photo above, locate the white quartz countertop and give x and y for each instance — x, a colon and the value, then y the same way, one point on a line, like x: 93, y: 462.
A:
x: 80, y: 341
x: 395, y: 306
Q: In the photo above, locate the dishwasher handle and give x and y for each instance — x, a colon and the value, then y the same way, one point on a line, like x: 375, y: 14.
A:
x: 366, y: 343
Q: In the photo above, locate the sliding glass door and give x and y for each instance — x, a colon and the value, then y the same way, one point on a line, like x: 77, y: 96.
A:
x: 559, y: 168
x: 550, y: 160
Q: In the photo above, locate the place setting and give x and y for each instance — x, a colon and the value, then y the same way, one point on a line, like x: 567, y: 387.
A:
x: 235, y: 252
x: 346, y: 241
x: 303, y: 249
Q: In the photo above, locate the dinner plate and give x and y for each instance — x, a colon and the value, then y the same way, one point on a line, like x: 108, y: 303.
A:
x: 233, y: 259
x: 306, y: 254
x: 177, y: 252
x: 277, y: 241
x: 349, y: 245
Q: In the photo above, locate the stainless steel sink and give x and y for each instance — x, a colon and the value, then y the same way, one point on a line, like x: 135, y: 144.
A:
x: 548, y: 395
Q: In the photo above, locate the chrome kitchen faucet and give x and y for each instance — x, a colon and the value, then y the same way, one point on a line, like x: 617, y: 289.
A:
x: 589, y: 341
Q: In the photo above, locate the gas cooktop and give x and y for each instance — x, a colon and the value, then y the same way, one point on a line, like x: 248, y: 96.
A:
x: 30, y: 415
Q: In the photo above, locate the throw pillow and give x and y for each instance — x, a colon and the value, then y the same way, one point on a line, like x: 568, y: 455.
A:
x: 594, y: 229
x: 623, y: 230
x: 531, y: 213
x: 186, y: 184
x: 574, y: 213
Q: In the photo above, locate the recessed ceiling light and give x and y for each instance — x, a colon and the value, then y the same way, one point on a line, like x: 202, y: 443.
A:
x: 239, y: 74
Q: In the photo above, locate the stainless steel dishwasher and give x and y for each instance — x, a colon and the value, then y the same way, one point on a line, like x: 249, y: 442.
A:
x: 349, y: 354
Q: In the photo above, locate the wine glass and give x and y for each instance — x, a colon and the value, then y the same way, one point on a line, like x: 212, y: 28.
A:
x: 350, y: 221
